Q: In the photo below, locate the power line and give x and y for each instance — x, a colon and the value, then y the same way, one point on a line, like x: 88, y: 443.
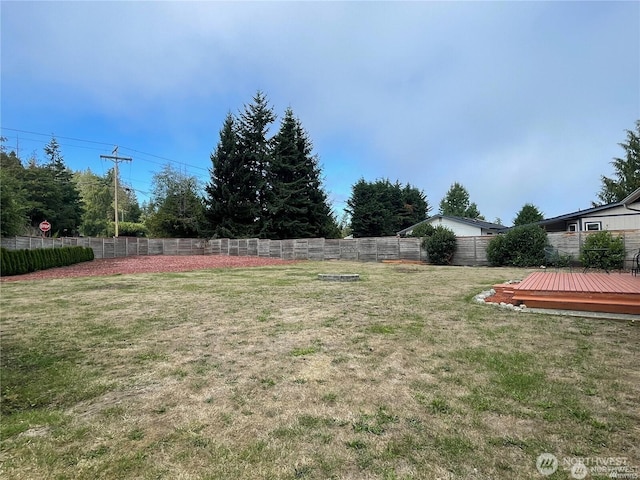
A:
x: 133, y: 150
x: 139, y: 157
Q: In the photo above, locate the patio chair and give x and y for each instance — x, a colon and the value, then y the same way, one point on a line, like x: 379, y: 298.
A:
x: 635, y: 266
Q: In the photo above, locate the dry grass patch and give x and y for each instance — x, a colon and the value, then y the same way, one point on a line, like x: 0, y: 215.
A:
x: 269, y: 373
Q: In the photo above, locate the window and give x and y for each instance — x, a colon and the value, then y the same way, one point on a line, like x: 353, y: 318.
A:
x: 592, y: 226
x: 572, y: 227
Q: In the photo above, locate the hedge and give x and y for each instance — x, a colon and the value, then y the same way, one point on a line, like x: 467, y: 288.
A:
x: 17, y: 262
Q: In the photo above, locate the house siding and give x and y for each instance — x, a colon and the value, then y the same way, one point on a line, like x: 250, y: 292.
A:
x: 460, y: 229
x: 618, y: 218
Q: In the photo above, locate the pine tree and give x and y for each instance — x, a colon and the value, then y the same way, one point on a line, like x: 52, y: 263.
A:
x: 13, y: 196
x: 67, y: 211
x: 529, y: 213
x: 627, y: 171
x: 456, y: 203
x: 223, y: 203
x: 298, y: 206
x: 254, y: 151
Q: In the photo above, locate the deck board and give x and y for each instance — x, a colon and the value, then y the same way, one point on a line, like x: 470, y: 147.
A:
x: 599, y: 292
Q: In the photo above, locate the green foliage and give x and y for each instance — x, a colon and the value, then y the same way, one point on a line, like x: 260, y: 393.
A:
x: 266, y: 187
x: 521, y: 246
x: 557, y: 258
x: 382, y: 208
x: 440, y: 245
x: 529, y: 213
x: 128, y: 229
x: 73, y: 202
x: 297, y: 206
x: 612, y: 255
x: 423, y: 230
x: 627, y: 171
x: 177, y: 210
x: 13, y: 197
x: 97, y: 193
x: 456, y: 203
x: 18, y: 262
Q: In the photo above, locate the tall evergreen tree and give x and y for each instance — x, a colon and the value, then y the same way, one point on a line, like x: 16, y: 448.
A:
x: 67, y: 213
x: 415, y: 206
x: 225, y: 210
x: 297, y: 204
x: 13, y: 197
x: 382, y: 208
x: 456, y: 203
x: 254, y: 151
x: 529, y: 213
x: 627, y: 171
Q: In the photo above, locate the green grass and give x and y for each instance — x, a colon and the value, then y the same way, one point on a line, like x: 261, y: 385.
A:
x: 268, y: 373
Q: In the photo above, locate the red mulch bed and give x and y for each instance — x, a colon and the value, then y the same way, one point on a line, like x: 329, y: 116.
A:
x: 147, y: 264
x: 499, y: 298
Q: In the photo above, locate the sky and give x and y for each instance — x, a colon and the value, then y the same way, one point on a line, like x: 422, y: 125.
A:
x: 520, y: 102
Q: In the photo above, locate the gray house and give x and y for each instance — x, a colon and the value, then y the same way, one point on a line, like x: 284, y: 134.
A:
x: 462, y: 227
x: 623, y: 215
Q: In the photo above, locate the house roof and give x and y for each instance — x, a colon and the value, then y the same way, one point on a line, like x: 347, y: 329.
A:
x: 466, y: 221
x: 633, y: 197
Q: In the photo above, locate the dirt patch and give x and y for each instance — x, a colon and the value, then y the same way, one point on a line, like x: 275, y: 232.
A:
x: 147, y: 264
x: 500, y: 297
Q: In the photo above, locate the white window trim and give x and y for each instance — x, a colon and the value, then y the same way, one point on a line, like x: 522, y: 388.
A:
x: 597, y: 224
x: 574, y: 229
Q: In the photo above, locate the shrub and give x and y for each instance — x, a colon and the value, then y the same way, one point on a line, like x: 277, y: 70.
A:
x: 440, y: 245
x: 423, y: 230
x: 520, y: 247
x: 17, y: 262
x: 614, y: 259
x: 128, y: 229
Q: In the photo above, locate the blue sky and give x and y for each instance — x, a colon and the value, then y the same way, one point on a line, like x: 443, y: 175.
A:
x: 520, y: 102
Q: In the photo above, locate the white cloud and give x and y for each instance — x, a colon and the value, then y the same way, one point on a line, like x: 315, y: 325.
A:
x: 495, y: 95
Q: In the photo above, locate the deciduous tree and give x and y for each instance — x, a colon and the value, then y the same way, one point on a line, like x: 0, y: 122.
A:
x: 176, y: 207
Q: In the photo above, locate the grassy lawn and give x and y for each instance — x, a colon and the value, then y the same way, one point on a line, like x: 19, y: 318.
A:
x: 269, y: 373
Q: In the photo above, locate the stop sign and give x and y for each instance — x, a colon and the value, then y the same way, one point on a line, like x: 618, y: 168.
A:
x: 45, y: 226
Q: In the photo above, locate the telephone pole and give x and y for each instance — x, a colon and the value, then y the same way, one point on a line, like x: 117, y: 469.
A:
x: 116, y: 159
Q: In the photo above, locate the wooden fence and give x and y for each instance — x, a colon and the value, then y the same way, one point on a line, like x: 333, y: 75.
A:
x: 469, y: 251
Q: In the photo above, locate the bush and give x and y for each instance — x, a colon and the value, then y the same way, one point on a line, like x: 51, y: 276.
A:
x: 128, y: 229
x: 17, y: 262
x: 520, y: 247
x: 423, y: 230
x: 440, y: 245
x: 614, y: 258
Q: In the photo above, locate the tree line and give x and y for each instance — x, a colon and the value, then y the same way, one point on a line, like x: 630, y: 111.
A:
x: 260, y: 186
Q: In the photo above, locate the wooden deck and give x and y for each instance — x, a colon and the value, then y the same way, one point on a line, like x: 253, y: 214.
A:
x: 593, y: 292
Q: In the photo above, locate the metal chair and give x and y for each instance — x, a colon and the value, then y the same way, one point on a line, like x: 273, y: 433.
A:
x: 635, y: 266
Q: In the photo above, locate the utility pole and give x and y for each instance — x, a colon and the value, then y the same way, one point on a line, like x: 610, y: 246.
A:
x: 116, y: 159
